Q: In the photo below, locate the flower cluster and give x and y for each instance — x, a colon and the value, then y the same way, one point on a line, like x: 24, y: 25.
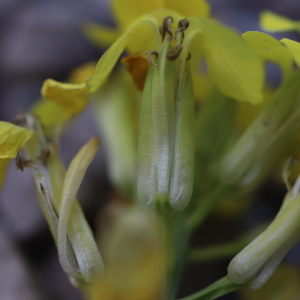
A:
x: 175, y: 147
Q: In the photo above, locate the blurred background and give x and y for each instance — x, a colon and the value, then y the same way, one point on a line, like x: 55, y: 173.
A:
x: 41, y: 39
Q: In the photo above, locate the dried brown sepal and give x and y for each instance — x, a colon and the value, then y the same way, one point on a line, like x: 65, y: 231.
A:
x: 137, y: 66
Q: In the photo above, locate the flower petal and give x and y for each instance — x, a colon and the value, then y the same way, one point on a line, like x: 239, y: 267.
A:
x: 272, y: 22
x: 294, y: 48
x: 228, y: 57
x: 3, y: 167
x: 127, y: 11
x: 193, y: 8
x: 110, y: 57
x: 49, y: 113
x: 99, y: 35
x: 270, y: 49
x: 82, y: 73
x: 88, y: 257
x: 72, y: 98
x: 284, y: 284
x: 135, y: 258
x: 117, y: 114
x: 202, y: 86
x: 12, y: 138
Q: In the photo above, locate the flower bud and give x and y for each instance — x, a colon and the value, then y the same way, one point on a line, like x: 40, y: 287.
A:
x: 166, y: 138
x: 267, y: 139
x: 256, y: 263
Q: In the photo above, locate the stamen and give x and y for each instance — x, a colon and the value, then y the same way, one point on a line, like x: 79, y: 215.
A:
x: 20, y: 120
x: 21, y: 162
x: 149, y: 58
x: 166, y: 27
x: 44, y: 155
x: 189, y: 56
x: 182, y: 27
x: 174, y: 53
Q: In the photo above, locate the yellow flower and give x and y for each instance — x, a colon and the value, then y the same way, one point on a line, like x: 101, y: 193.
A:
x: 166, y: 141
x: 60, y: 103
x: 135, y: 260
x: 126, y: 13
x: 12, y: 138
x: 284, y: 284
x: 56, y: 188
x: 276, y: 23
x: 220, y: 47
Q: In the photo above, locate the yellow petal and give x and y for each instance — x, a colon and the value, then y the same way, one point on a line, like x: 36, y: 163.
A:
x: 270, y: 21
x: 135, y: 260
x: 233, y: 66
x: 117, y: 113
x: 294, y: 48
x: 49, y: 113
x: 82, y: 73
x: 100, y: 36
x: 284, y: 284
x: 72, y: 98
x: 110, y: 57
x: 202, y: 86
x: 127, y: 11
x: 12, y: 138
x: 247, y: 113
x: 192, y: 8
x: 3, y: 167
x: 270, y: 49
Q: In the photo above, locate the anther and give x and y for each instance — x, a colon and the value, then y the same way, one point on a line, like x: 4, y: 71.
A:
x: 174, y: 53
x: 20, y: 120
x: 182, y: 27
x: 183, y: 23
x: 21, y: 162
x: 166, y: 27
x: 189, y: 56
x: 44, y: 155
x: 149, y: 58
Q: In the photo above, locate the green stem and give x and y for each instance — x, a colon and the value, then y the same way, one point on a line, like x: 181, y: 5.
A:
x: 181, y: 244
x: 219, y: 288
x: 225, y: 250
x: 205, y: 206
